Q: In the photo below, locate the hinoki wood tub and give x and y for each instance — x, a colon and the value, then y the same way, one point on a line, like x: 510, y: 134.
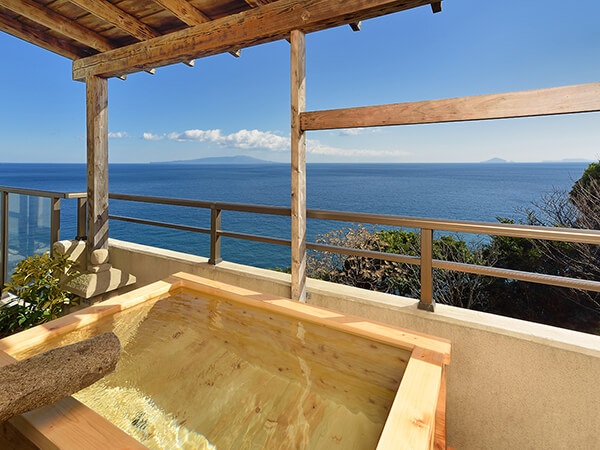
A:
x: 208, y: 364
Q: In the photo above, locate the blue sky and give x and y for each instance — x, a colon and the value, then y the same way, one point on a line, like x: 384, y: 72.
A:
x: 227, y: 106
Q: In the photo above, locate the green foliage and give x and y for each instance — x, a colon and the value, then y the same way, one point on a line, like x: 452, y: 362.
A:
x: 40, y: 298
x: 590, y: 176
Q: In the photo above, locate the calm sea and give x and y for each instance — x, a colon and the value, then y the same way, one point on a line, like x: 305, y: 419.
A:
x: 450, y: 191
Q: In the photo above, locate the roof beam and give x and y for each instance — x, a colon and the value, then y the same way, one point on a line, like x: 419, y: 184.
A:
x: 37, y: 37
x: 268, y: 23
x: 48, y: 18
x: 580, y: 98
x: 436, y: 7
x: 188, y: 14
x: 355, y: 26
x: 119, y: 18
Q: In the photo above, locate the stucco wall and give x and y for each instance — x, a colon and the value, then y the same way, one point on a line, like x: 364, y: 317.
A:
x: 511, y: 384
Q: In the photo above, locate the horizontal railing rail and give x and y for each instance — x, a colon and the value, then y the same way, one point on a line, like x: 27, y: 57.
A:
x: 427, y: 226
x: 424, y: 224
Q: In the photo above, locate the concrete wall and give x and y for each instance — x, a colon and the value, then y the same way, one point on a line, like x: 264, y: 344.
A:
x: 511, y: 384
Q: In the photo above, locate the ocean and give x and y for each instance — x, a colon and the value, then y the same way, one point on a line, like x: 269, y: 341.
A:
x: 450, y: 191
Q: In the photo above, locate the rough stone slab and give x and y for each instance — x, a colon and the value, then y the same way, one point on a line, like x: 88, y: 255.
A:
x: 88, y: 285
x: 51, y: 376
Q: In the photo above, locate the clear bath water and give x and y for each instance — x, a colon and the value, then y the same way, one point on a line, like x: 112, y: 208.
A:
x: 203, y: 373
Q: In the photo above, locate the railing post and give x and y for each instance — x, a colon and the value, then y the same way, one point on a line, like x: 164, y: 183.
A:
x: 427, y: 303
x: 81, y: 218
x: 4, y: 254
x: 215, y: 237
x: 54, y: 222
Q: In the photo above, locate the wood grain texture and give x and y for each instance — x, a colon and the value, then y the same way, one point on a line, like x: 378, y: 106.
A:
x: 70, y: 425
x: 298, y: 156
x: 540, y: 102
x: 59, y: 23
x: 41, y: 39
x: 440, y: 416
x: 20, y: 342
x: 256, y: 26
x: 188, y: 14
x: 67, y: 425
x: 411, y: 422
x: 355, y: 325
x: 45, y: 379
x: 97, y: 164
x: 117, y: 17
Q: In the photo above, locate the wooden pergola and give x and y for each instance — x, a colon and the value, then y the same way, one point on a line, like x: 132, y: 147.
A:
x: 118, y: 37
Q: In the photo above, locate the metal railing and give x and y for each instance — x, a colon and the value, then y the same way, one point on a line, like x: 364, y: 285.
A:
x: 426, y: 226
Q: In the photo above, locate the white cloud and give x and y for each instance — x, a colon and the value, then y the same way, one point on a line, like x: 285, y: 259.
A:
x: 256, y: 139
x: 118, y: 135
x: 357, y: 131
x: 242, y: 139
x: 152, y: 137
x: 350, y: 132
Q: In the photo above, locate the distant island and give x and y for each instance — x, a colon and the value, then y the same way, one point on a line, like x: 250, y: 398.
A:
x: 238, y: 159
x: 494, y: 161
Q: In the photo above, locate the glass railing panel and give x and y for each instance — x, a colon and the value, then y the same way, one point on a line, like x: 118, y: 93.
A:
x: 28, y: 228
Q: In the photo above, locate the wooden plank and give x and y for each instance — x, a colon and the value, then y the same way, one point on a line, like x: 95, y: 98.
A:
x: 97, y: 163
x: 411, y: 421
x: 358, y: 326
x: 252, y: 27
x: 188, y: 14
x: 41, y: 39
x: 440, y: 416
x: 48, y: 18
x: 298, y: 153
x: 119, y: 18
x: 19, y: 342
x: 68, y: 424
x: 540, y: 102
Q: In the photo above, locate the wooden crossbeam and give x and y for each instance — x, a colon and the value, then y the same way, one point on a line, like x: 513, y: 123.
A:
x: 188, y: 14
x: 117, y: 17
x: 268, y: 23
x: 540, y: 102
x: 48, y: 18
x: 36, y: 37
x: 355, y: 26
x: 436, y: 7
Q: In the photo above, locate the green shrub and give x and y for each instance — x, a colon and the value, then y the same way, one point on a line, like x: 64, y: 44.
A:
x: 36, y: 282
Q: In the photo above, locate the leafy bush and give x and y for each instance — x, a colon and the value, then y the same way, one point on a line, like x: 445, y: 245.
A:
x: 36, y: 282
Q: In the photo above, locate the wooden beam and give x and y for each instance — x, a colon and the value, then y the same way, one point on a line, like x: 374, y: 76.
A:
x: 411, y: 421
x: 252, y: 27
x: 36, y: 37
x: 540, y: 102
x: 117, y: 17
x: 97, y: 163
x: 436, y: 7
x: 298, y: 103
x: 45, y: 16
x: 355, y: 26
x: 188, y: 14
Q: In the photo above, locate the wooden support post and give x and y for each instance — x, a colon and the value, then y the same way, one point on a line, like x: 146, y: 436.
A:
x: 81, y: 218
x: 427, y: 302
x: 298, y: 147
x: 97, y: 163
x: 4, y: 231
x: 54, y: 222
x: 215, y: 237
